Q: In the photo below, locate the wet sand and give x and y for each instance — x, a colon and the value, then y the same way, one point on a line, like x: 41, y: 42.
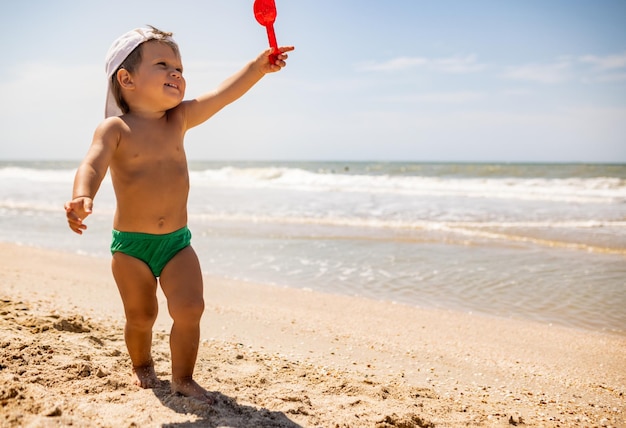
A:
x: 279, y: 357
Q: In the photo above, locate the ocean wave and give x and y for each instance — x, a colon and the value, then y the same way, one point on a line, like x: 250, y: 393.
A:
x: 410, y: 224
x: 47, y: 204
x: 512, y: 231
x: 578, y: 190
x: 583, y: 190
x: 15, y: 173
x: 28, y: 206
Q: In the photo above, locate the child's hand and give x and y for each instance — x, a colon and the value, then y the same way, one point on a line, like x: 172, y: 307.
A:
x: 264, y: 64
x: 76, y: 211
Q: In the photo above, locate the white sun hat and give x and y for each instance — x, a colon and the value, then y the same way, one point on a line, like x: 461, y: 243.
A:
x: 118, y: 52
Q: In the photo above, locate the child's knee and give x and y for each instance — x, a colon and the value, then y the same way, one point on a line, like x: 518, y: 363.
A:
x: 141, y: 319
x: 187, y: 310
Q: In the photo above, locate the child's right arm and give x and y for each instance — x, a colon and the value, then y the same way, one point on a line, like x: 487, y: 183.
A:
x: 90, y: 174
x: 206, y: 105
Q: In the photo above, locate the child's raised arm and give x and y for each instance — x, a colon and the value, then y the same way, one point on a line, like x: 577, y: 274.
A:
x: 200, y: 109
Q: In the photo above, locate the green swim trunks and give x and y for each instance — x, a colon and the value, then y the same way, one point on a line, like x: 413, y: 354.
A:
x: 155, y: 250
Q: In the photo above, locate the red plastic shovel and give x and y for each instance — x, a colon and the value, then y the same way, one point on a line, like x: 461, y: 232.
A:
x: 265, y: 14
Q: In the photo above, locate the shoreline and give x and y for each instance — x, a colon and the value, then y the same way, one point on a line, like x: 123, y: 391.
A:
x: 542, y: 320
x: 290, y: 357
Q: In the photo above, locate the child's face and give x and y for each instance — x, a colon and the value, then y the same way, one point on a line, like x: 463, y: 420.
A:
x: 159, y: 78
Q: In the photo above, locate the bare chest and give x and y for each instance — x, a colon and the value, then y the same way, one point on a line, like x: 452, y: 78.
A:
x: 157, y: 156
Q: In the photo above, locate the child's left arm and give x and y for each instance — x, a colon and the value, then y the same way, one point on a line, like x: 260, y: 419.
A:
x: 205, y: 106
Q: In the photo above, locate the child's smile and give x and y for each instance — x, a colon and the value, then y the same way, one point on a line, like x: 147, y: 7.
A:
x: 160, y: 68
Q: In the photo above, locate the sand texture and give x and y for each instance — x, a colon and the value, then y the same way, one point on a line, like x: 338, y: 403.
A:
x: 278, y: 357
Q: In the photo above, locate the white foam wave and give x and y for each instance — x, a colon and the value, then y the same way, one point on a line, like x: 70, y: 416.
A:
x: 37, y: 175
x: 29, y: 206
x: 490, y: 230
x: 583, y: 190
x: 406, y: 225
x: 47, y: 205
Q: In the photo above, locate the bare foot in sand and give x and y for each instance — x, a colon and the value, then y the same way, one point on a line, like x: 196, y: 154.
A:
x: 146, y: 377
x: 190, y: 388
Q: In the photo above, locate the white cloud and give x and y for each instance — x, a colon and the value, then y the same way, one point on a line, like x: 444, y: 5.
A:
x: 460, y: 97
x: 607, y: 62
x: 604, y: 69
x: 455, y: 64
x: 563, y: 69
x: 515, y: 92
x: 466, y: 64
x: 396, y: 64
x: 586, y: 68
x: 557, y: 72
x: 607, y: 78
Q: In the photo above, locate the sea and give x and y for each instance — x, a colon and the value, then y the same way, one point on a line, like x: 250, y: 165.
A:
x: 537, y: 242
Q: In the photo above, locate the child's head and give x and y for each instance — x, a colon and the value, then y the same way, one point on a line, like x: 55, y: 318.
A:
x: 125, y: 53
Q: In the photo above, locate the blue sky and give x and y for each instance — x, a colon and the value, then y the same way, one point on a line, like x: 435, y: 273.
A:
x: 510, y: 81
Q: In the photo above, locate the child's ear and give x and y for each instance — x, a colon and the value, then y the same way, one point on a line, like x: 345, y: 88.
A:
x: 125, y: 79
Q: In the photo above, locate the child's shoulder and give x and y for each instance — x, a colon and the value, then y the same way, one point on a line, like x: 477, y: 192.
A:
x: 111, y: 128
x: 113, y: 123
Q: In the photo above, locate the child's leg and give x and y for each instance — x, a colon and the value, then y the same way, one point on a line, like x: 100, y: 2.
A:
x: 181, y: 281
x: 137, y: 287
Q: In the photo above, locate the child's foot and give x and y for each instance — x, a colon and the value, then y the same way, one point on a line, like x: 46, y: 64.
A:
x: 189, y: 388
x: 146, y: 377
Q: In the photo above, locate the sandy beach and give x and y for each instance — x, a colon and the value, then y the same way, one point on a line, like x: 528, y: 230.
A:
x: 280, y: 357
